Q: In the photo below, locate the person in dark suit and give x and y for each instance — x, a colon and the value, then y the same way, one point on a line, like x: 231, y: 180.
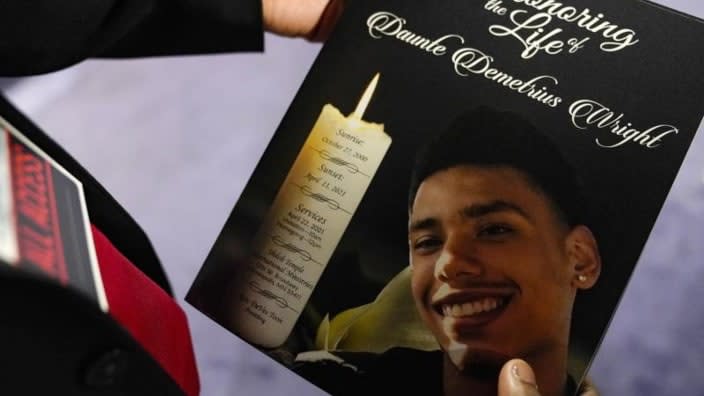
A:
x: 56, y: 340
x: 39, y: 36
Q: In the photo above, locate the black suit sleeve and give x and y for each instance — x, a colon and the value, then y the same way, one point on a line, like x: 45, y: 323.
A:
x: 38, y: 36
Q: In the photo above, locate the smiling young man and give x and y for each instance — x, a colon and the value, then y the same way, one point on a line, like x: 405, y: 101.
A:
x: 498, y: 251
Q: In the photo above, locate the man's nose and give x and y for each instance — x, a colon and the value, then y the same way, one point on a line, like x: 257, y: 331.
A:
x: 458, y: 259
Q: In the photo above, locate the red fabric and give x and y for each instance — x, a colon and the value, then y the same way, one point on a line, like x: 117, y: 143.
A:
x: 148, y: 313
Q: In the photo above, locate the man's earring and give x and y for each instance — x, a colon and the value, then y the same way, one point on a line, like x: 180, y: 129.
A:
x: 582, y: 278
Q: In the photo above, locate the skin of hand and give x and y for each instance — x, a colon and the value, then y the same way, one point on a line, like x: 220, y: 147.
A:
x: 310, y: 19
x: 517, y: 379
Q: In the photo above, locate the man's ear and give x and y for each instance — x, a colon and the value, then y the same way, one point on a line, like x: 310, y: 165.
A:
x: 584, y: 257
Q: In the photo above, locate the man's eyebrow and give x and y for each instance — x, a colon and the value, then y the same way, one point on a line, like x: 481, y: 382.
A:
x: 482, y: 209
x: 472, y: 212
x: 423, y: 224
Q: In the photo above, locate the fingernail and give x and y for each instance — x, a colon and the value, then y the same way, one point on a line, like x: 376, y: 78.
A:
x: 524, y: 375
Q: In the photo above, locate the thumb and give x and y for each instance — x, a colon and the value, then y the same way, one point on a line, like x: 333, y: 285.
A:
x: 517, y: 379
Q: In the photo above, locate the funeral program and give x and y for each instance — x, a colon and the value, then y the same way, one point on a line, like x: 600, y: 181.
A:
x: 457, y: 184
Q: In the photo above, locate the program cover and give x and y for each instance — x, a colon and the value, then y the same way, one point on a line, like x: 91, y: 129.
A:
x: 456, y: 184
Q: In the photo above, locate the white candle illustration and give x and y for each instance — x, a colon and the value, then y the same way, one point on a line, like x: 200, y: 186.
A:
x: 311, y: 211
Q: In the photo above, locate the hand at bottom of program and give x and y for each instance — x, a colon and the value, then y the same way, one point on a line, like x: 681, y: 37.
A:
x: 517, y: 379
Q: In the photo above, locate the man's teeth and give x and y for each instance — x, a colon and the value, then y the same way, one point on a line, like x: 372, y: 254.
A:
x: 472, y: 308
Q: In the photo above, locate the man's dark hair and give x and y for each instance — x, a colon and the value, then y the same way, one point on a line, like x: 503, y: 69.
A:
x: 488, y: 138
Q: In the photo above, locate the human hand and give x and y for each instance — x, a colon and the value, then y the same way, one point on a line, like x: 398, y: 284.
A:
x: 517, y: 379
x: 311, y: 19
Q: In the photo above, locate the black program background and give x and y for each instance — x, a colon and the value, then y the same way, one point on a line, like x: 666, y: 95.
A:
x: 655, y: 81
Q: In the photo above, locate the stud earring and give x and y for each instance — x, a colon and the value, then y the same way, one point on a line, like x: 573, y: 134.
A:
x: 582, y: 278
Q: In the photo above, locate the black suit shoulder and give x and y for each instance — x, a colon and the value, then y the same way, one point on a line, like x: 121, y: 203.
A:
x: 39, y: 36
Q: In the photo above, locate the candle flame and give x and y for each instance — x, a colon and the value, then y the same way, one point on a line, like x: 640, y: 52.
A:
x: 366, y: 98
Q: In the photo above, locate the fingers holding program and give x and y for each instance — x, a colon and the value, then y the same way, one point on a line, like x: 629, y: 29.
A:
x: 310, y: 19
x: 587, y: 388
x: 518, y: 379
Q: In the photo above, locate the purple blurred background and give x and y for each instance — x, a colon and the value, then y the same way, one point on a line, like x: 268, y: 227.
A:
x: 175, y: 140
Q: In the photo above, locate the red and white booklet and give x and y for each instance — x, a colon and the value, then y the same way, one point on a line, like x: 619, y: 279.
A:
x: 44, y: 226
